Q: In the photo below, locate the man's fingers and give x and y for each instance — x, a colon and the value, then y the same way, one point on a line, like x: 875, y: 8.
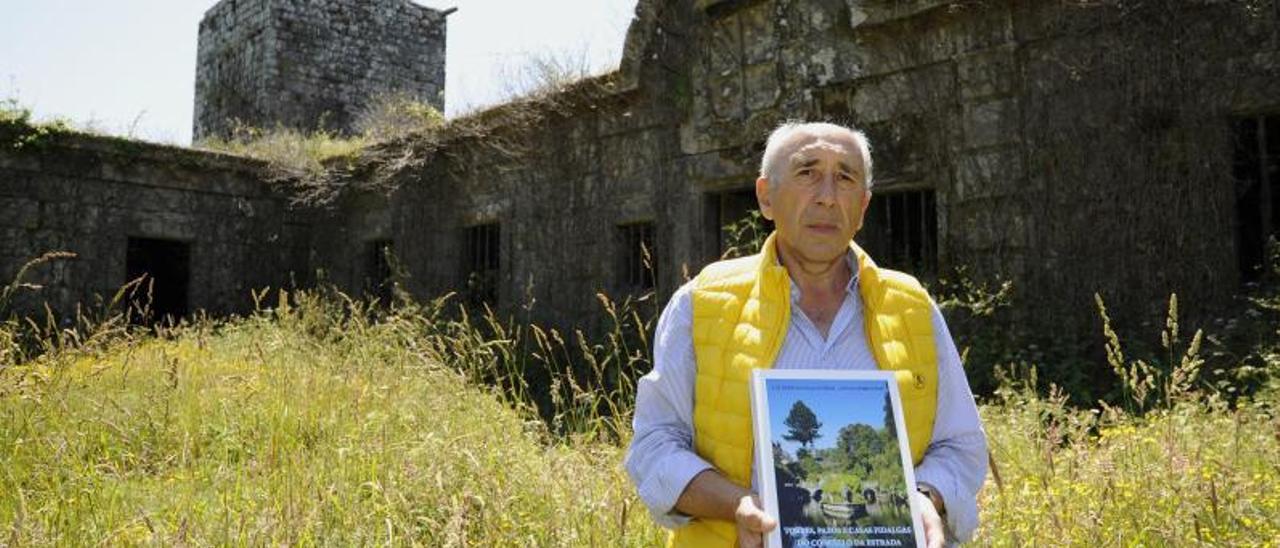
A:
x: 753, y: 522
x: 756, y: 520
x: 767, y: 523
x: 935, y: 540
x: 760, y: 522
x: 750, y: 520
x: 934, y: 533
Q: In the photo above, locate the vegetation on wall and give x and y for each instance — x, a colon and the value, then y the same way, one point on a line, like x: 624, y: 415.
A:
x: 19, y: 130
x: 399, y: 135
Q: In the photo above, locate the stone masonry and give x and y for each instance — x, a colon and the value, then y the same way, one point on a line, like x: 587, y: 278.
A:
x: 1073, y: 148
x: 99, y: 197
x: 1124, y: 149
x: 312, y: 64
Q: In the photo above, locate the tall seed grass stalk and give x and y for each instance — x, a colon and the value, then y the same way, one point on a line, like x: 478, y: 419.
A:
x: 320, y: 418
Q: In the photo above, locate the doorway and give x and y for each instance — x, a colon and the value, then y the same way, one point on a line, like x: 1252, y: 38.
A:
x: 167, y: 266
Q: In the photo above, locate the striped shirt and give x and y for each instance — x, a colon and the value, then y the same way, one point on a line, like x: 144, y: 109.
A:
x: 661, y: 461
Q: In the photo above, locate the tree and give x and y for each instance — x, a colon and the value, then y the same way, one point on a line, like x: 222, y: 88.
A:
x: 779, y: 455
x: 803, y: 425
x: 890, y: 426
x: 861, y: 443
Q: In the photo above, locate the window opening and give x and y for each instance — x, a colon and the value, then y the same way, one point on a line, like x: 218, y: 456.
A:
x: 482, y: 264
x: 639, y: 264
x: 739, y: 226
x: 162, y: 295
x: 901, y: 231
x: 377, y: 270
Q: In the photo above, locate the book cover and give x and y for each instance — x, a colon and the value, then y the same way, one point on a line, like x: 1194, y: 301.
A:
x: 834, y: 465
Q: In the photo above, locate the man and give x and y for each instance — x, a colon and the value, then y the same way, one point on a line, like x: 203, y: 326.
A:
x: 810, y: 299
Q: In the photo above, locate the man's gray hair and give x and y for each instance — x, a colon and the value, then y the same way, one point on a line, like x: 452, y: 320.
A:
x: 780, y: 142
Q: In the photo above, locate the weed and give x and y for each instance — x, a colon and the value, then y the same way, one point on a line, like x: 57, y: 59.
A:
x: 325, y: 419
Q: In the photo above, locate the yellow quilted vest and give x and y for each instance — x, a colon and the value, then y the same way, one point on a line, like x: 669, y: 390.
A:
x: 741, y: 310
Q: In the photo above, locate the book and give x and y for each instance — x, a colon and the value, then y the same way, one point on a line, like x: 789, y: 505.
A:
x: 833, y: 462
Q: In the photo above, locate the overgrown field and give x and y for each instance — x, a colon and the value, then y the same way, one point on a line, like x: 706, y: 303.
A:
x: 323, y: 422
x: 291, y: 427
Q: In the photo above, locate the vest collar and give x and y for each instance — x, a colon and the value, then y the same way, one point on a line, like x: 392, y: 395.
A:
x: 771, y: 266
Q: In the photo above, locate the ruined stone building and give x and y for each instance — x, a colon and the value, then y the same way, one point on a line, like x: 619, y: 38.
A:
x: 313, y: 64
x: 1126, y: 148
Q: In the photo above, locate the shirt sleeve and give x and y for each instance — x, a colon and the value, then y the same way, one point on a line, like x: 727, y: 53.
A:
x: 955, y: 463
x: 660, y: 460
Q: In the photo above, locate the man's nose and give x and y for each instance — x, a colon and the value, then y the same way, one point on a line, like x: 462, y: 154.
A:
x: 826, y: 194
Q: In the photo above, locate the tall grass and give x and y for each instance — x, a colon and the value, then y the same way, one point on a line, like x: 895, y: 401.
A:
x: 1172, y: 464
x: 321, y: 419
x: 304, y: 423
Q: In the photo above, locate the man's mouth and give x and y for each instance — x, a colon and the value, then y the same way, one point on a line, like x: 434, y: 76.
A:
x: 822, y: 227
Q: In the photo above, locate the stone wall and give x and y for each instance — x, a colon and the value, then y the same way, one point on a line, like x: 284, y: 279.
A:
x: 560, y: 206
x: 1071, y: 148
x: 560, y: 175
x: 91, y: 195
x: 313, y: 63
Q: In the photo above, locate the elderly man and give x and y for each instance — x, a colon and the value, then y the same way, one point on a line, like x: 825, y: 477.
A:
x: 810, y: 299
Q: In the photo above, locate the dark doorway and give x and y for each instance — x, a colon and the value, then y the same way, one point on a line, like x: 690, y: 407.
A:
x: 1257, y: 174
x: 167, y: 265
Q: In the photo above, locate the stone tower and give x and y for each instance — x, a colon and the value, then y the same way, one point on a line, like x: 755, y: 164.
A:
x: 311, y: 64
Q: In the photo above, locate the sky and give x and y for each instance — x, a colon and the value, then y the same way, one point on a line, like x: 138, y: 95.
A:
x: 127, y: 67
x: 851, y: 402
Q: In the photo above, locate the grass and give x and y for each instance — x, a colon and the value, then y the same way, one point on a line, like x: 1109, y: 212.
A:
x: 293, y: 152
x: 20, y: 130
x: 1177, y: 461
x: 317, y: 164
x: 293, y: 426
x: 322, y: 420
x: 1194, y: 474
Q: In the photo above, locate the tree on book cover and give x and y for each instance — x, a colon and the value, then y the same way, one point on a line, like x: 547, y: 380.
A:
x: 803, y: 425
x: 849, y: 485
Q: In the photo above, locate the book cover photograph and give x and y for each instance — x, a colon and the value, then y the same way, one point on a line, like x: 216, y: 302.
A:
x: 835, y: 468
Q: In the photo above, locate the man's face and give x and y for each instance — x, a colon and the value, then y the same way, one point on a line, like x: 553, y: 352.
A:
x: 818, y: 204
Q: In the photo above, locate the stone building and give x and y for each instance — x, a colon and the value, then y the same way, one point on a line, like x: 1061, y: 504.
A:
x: 313, y: 64
x: 202, y: 225
x: 1127, y: 149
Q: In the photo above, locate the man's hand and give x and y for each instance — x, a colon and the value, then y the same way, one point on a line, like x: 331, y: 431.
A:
x: 934, y: 534
x: 753, y: 522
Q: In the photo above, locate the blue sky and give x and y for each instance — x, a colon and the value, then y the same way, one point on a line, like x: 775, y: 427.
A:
x: 128, y: 66
x: 850, y: 402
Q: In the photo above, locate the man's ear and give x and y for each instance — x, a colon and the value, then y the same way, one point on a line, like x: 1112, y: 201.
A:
x: 765, y: 197
x: 866, y: 201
